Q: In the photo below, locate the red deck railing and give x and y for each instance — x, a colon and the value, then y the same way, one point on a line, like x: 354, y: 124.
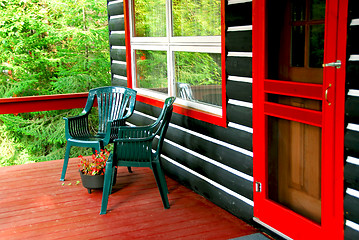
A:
x: 42, y: 103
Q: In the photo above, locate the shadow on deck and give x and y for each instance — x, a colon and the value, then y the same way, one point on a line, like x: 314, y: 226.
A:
x: 35, y: 204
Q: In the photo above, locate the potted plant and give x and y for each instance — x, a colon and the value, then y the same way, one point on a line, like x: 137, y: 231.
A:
x: 92, y: 170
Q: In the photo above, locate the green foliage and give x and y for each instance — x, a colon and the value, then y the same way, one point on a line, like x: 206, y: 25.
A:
x: 33, y: 137
x: 150, y: 20
x: 51, y: 43
x: 196, y: 17
x: 48, y: 47
x: 190, y: 18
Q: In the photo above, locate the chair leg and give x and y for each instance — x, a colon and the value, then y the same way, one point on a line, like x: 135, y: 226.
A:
x: 106, y: 186
x: 112, y: 179
x: 161, y: 184
x: 66, y: 161
x: 129, y: 169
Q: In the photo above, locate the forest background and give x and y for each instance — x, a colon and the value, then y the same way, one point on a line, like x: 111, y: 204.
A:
x: 48, y: 47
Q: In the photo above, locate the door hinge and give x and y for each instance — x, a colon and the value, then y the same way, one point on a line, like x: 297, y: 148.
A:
x: 258, y: 187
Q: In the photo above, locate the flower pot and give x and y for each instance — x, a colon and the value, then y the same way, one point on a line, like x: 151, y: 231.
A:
x: 94, y: 181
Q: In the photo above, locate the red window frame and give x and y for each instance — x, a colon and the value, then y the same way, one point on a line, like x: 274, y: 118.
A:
x: 190, y: 112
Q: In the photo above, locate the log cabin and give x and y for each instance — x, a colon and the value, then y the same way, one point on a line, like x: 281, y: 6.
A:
x: 280, y: 147
x: 274, y: 138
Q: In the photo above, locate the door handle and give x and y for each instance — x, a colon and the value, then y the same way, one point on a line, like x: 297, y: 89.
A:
x: 326, y: 94
x: 336, y: 64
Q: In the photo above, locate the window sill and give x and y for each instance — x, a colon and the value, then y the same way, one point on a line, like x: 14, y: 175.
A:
x: 186, y: 110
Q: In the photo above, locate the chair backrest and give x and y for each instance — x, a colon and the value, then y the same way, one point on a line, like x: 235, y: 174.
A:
x: 135, y: 143
x: 114, y: 103
x: 165, y: 121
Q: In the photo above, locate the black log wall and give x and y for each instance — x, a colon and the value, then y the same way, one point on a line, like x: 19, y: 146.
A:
x: 213, y: 161
x: 351, y: 142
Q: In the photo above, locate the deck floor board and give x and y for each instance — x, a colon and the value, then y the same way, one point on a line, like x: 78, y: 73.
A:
x: 34, y: 204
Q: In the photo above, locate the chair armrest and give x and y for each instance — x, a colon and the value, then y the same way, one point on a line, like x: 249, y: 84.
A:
x: 128, y: 114
x: 130, y: 139
x: 76, y: 126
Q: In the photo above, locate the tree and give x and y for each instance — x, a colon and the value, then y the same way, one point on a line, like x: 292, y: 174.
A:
x: 48, y: 47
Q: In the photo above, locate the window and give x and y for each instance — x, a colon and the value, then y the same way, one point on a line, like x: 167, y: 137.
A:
x: 176, y: 51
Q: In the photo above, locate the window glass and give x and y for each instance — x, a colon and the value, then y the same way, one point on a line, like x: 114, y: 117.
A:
x: 182, y: 64
x: 151, y: 70
x: 298, y: 10
x: 198, y: 77
x: 317, y: 9
x: 149, y: 18
x: 196, y: 18
x: 298, y: 46
x: 316, y: 48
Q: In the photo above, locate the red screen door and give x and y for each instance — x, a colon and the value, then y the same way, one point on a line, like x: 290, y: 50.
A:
x: 295, y: 115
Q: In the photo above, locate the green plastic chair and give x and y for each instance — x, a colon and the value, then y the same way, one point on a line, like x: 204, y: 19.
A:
x: 115, y: 105
x: 133, y: 148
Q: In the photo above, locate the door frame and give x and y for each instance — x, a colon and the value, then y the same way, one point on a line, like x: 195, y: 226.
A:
x: 289, y: 223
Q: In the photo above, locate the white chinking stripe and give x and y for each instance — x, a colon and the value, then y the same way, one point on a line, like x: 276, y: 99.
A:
x: 353, y: 92
x: 240, y: 127
x: 239, y: 54
x: 207, y: 159
x: 352, y: 192
x: 354, y: 127
x: 352, y: 225
x: 116, y: 16
x: 240, y: 103
x: 240, y: 79
x: 114, y: 2
x: 230, y: 2
x: 119, y: 77
x: 234, y: 194
x: 119, y: 62
x: 240, y: 28
x: 117, y: 32
x: 353, y: 160
x: 230, y: 146
x: 354, y: 57
x: 354, y: 22
x: 118, y: 47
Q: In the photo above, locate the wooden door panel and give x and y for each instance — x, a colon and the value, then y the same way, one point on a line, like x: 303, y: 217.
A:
x: 305, y: 75
x: 297, y: 160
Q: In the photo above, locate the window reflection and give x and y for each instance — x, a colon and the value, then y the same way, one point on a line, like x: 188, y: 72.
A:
x: 196, y: 18
x: 150, y: 18
x: 151, y: 70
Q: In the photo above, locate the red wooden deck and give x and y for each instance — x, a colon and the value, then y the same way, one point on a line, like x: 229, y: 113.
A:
x: 35, y: 205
